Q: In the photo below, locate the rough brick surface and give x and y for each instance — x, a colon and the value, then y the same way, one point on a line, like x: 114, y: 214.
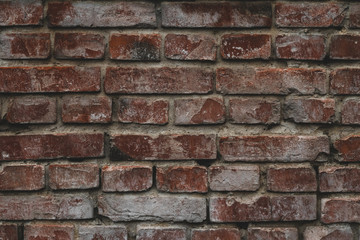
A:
x: 13, y: 13
x: 37, y: 231
x: 338, y: 210
x: 9, y: 232
x: 345, y: 47
x: 333, y: 232
x: 260, y: 233
x: 94, y: 232
x: 345, y: 81
x: 348, y: 148
x: 350, y: 112
x: 216, y: 234
x: 354, y: 15
x: 339, y: 179
x: 22, y: 177
x: 160, y: 233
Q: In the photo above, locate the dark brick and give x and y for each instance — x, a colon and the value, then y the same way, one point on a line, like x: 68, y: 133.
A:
x: 14, y: 13
x: 345, y: 47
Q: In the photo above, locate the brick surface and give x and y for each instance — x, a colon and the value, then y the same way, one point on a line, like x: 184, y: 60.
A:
x: 37, y: 231
x: 9, y: 232
x: 182, y: 179
x: 49, y: 79
x: 350, y: 112
x: 15, y: 13
x: 163, y: 147
x: 160, y: 233
x: 22, y: 178
x: 261, y: 233
x: 354, y: 15
x: 216, y: 234
x: 245, y: 46
x: 126, y: 178
x: 345, y: 47
x: 190, y: 47
x: 339, y: 179
x: 199, y: 111
x: 79, y: 46
x: 273, y: 148
x: 234, y: 178
x: 332, y: 232
x: 345, y: 81
x: 116, y: 232
x: 348, y: 148
x: 31, y: 110
x: 73, y: 176
x: 338, y: 210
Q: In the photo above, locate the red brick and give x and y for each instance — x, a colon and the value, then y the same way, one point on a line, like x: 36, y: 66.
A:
x: 345, y: 47
x: 49, y: 146
x: 254, y: 110
x: 73, y: 176
x: 49, y: 79
x: 278, y: 81
x: 339, y: 179
x: 246, y: 46
x: 300, y: 47
x: 48, y: 207
x: 31, y: 110
x: 14, y: 13
x: 158, y: 80
x: 309, y: 14
x: 22, y: 178
x: 8, y: 232
x: 98, y: 14
x: 182, y: 179
x: 216, y: 234
x: 143, y: 111
x: 161, y: 233
x: 309, y: 110
x: 142, y: 47
x: 115, y: 232
x: 344, y: 81
x: 333, y: 232
x: 234, y: 178
x: 291, y: 179
x: 354, y: 15
x: 190, y: 47
x: 350, y: 112
x: 213, y: 14
x: 348, y: 148
x: 126, y: 178
x: 273, y: 148
x: 199, y: 111
x: 79, y: 46
x: 45, y: 231
x: 152, y: 208
x: 336, y: 210
x: 163, y: 147
x: 86, y: 109
x: 262, y: 233
x: 25, y: 45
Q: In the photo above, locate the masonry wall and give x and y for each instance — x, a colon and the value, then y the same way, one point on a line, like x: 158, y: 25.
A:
x: 180, y: 120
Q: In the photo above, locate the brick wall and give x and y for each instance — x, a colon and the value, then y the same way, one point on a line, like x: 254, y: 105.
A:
x: 180, y: 120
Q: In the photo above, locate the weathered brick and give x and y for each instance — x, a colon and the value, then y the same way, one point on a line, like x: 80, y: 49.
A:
x: 24, y: 45
x: 339, y: 179
x: 49, y: 79
x: 278, y: 81
x: 152, y: 208
x: 190, y: 47
x: 344, y: 81
x: 163, y: 147
x: 143, y: 110
x: 182, y: 179
x: 309, y: 14
x: 158, y: 80
x: 14, y: 13
x: 47, y: 231
x: 199, y: 111
x: 73, y: 176
x: 234, y: 178
x: 245, y: 46
x: 309, y: 110
x: 332, y: 232
x: 141, y: 47
x: 354, y: 15
x: 94, y: 232
x: 262, y: 233
x: 348, y: 148
x: 99, y: 14
x: 216, y: 234
x: 79, y: 46
x: 31, y: 109
x: 273, y: 148
x: 291, y: 179
x: 300, y: 47
x: 86, y: 109
x: 350, y: 111
x: 213, y: 14
x: 160, y: 233
x: 9, y: 232
x: 49, y: 146
x: 39, y: 207
x: 22, y: 178
x: 126, y: 178
x: 337, y: 210
x: 254, y: 110
x: 345, y: 47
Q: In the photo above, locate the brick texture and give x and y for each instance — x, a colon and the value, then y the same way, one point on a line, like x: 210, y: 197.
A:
x: 22, y: 178
x: 21, y: 13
